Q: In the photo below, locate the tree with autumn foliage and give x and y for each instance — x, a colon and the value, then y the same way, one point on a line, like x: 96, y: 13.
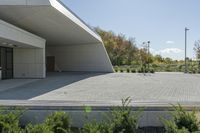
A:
x: 122, y: 51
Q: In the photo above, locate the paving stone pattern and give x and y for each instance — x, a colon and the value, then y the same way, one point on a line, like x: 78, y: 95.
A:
x: 159, y: 87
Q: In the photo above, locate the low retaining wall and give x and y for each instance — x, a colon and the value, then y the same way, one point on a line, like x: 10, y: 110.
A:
x: 36, y: 111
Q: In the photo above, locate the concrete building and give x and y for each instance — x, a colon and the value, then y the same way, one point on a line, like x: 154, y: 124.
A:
x: 39, y: 36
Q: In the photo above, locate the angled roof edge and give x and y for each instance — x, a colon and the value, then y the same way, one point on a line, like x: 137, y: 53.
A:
x: 60, y: 6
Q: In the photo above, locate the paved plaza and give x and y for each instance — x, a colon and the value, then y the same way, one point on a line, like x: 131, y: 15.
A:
x: 159, y: 87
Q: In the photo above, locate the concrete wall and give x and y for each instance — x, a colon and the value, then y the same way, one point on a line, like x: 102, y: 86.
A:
x: 29, y: 63
x: 90, y: 57
x: 148, y: 118
x: 19, y: 36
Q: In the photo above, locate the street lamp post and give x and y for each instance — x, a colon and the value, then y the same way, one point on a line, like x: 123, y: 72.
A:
x: 148, y: 45
x: 186, y: 67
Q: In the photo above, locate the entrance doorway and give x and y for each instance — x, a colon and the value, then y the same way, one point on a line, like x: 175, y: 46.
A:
x: 6, y: 62
x: 50, y: 63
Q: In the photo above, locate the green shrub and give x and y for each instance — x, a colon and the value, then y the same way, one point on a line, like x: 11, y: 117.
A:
x: 95, y: 127
x: 39, y: 128
x: 193, y: 71
x: 59, y: 121
x: 183, y: 121
x: 133, y: 70
x: 171, y: 127
x: 168, y: 68
x: 180, y: 67
x: 116, y: 68
x: 128, y: 70
x: 123, y: 120
x: 152, y: 71
x: 190, y: 72
x: 154, y: 65
x: 120, y: 120
x: 121, y: 70
x: 198, y: 72
x: 141, y: 70
x: 9, y: 121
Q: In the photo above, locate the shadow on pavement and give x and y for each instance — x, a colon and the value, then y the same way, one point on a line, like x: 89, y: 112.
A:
x: 52, y: 82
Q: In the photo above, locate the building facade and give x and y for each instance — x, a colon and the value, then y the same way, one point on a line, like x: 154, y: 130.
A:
x: 40, y: 36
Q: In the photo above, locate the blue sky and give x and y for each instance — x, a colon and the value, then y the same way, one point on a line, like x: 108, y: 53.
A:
x: 160, y: 21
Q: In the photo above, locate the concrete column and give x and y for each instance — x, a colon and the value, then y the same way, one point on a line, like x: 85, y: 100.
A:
x: 29, y: 63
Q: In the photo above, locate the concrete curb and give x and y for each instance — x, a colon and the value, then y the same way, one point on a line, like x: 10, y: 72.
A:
x: 96, y: 105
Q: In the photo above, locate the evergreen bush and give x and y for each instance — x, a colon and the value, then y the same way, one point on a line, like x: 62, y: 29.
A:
x: 182, y: 122
x: 38, y: 128
x: 128, y: 70
x: 9, y: 121
x: 59, y: 121
x: 133, y: 70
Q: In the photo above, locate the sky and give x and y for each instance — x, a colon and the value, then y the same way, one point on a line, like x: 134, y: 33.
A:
x: 162, y: 22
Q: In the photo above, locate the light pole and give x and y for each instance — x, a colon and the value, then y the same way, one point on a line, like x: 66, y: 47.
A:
x: 148, y: 45
x: 186, y: 67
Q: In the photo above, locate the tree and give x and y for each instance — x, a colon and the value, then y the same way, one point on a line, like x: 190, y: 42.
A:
x: 168, y: 60
x: 122, y: 51
x: 158, y: 58
x: 197, y: 50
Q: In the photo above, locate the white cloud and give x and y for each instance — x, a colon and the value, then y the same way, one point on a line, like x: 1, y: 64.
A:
x: 166, y: 51
x: 171, y: 50
x: 153, y: 51
x: 169, y: 42
x: 174, y: 53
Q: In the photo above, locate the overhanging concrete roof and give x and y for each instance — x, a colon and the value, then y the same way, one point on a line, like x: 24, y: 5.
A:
x: 49, y: 19
x: 12, y: 36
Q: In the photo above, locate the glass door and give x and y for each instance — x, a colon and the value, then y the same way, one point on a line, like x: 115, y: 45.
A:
x: 6, y: 62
